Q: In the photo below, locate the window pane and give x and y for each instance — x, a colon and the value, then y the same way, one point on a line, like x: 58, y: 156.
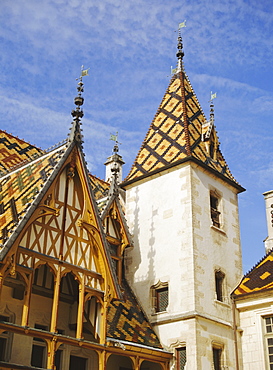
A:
x: 77, y: 363
x: 37, y: 356
x: 3, y: 342
x: 181, y: 358
x: 58, y: 356
x: 217, y: 358
x: 162, y: 299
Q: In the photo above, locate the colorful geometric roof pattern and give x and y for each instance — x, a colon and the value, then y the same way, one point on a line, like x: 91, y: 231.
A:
x: 175, y: 134
x: 260, y: 278
x: 126, y: 321
x: 20, y: 188
x: 14, y: 151
x: 100, y: 187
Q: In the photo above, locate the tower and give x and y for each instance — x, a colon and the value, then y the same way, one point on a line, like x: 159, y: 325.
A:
x: 182, y: 210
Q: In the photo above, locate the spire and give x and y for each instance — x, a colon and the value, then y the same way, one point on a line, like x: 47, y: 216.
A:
x: 180, y: 53
x: 178, y: 132
x: 77, y: 113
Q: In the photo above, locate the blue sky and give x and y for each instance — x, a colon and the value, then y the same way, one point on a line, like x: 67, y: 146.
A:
x: 130, y: 47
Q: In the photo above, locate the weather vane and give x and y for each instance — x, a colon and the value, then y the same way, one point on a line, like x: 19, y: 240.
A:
x: 114, y: 137
x: 84, y: 72
x: 212, y: 96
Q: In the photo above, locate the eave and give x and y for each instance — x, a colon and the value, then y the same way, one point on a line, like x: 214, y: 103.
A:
x: 184, y: 160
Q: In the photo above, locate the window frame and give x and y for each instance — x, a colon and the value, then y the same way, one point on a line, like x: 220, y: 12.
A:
x: 218, y: 348
x: 219, y: 281
x: 215, y: 209
x: 267, y: 336
x: 178, y: 352
x: 41, y: 344
x: 155, y: 291
x: 7, y: 336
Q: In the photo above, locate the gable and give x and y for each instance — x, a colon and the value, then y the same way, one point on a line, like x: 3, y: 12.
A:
x: 64, y: 225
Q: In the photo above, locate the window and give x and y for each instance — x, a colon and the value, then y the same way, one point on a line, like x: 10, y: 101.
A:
x: 160, y: 297
x: 219, y: 280
x: 214, y: 209
x: 217, y: 354
x: 38, y: 354
x: 77, y: 363
x: 58, y: 358
x: 181, y: 358
x: 4, y: 341
x: 268, y: 324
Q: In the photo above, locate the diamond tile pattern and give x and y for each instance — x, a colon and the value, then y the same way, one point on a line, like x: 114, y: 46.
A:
x: 171, y: 138
x: 20, y: 188
x: 14, y: 151
x: 126, y: 321
x: 100, y: 187
x: 259, y: 278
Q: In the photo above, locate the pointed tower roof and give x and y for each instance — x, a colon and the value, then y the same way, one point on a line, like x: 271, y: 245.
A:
x: 175, y: 134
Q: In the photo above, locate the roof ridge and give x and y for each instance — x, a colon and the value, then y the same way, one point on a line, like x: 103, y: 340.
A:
x: 17, y: 138
x: 35, y: 157
x: 259, y: 262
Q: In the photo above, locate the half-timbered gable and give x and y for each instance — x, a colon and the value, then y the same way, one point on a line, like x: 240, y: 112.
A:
x: 64, y: 301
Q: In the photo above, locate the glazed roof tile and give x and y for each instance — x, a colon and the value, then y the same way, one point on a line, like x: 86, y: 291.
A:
x: 100, y: 187
x: 127, y: 321
x: 20, y: 187
x: 175, y: 135
x: 260, y: 278
x: 14, y: 151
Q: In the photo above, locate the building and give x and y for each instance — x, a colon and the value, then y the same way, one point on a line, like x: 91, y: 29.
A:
x: 64, y: 301
x: 84, y: 288
x: 254, y: 302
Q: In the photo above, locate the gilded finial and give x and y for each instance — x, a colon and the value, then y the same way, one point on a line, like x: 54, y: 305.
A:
x: 180, y: 53
x: 77, y: 113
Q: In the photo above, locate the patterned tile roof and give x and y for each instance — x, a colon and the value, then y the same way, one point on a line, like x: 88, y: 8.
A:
x: 176, y: 135
x: 19, y: 188
x: 127, y: 321
x: 258, y: 279
x: 14, y: 151
x: 100, y: 187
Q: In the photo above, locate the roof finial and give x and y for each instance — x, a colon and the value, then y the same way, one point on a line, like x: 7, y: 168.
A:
x: 180, y: 53
x: 77, y: 113
x: 212, y: 97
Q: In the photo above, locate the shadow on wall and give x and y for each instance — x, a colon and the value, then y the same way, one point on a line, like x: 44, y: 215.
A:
x: 135, y: 257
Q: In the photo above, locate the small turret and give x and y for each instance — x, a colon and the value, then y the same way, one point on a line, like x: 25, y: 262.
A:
x: 114, y: 164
